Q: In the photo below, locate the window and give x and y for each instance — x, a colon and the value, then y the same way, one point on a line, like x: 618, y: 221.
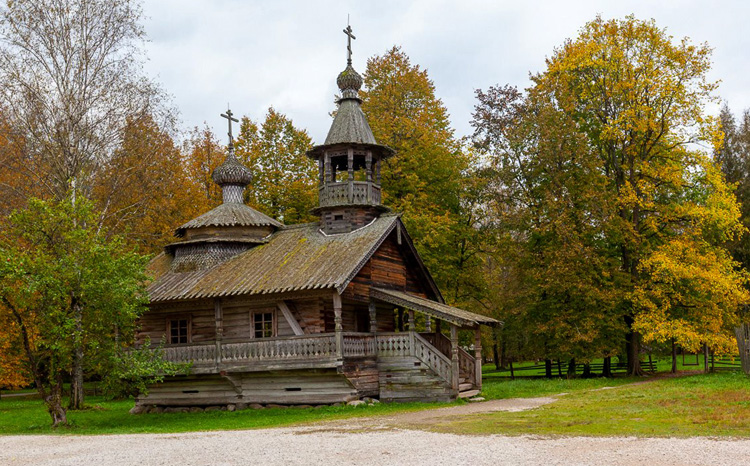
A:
x: 178, y: 330
x: 263, y: 324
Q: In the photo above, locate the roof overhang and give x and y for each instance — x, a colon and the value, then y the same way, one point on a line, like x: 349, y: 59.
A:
x: 435, y: 309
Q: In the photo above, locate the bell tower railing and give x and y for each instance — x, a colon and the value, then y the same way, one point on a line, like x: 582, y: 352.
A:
x: 345, y: 193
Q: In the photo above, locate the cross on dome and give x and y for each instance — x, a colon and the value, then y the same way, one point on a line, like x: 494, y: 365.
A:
x: 349, y: 37
x: 230, y: 119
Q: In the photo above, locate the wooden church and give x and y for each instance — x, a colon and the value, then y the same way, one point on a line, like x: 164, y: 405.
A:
x: 304, y: 314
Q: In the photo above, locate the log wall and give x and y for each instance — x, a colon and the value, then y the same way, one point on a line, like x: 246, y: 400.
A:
x: 289, y: 387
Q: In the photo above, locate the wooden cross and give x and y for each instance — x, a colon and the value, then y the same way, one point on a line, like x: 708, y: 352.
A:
x: 229, y: 118
x: 350, y: 36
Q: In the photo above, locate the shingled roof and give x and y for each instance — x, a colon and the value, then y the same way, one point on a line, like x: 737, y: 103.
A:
x: 432, y: 308
x: 229, y: 215
x: 295, y: 258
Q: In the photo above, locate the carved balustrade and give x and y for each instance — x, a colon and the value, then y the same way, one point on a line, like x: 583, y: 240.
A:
x: 344, y: 193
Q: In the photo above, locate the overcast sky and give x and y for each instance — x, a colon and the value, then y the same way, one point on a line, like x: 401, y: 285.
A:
x: 254, y: 54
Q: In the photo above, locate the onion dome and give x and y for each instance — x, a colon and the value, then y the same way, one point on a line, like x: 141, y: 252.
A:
x: 349, y: 82
x: 232, y: 172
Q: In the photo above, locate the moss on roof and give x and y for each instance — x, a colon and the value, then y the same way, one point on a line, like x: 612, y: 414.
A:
x: 294, y: 258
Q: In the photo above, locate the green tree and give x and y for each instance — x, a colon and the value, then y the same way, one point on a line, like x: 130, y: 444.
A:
x: 619, y: 109
x: 733, y: 158
x: 69, y: 289
x: 284, y: 180
x: 557, y: 275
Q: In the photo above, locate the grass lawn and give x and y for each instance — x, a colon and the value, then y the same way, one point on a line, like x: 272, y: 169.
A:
x: 28, y: 416
x: 714, y: 404
x: 699, y: 405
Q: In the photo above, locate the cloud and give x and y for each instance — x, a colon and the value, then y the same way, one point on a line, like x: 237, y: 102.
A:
x: 287, y: 54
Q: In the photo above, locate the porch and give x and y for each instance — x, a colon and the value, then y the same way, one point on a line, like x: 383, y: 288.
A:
x: 433, y: 351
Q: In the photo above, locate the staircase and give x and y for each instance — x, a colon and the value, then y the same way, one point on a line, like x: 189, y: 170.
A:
x: 405, y: 379
x: 466, y: 386
x: 466, y: 389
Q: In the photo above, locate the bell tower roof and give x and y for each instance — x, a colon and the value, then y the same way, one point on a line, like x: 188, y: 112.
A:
x: 349, y: 162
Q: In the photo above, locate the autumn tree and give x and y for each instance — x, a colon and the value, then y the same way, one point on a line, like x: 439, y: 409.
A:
x: 431, y: 177
x: 285, y: 180
x: 69, y: 80
x: 626, y: 106
x: 14, y: 373
x: 145, y: 191
x: 67, y: 288
x: 202, y: 153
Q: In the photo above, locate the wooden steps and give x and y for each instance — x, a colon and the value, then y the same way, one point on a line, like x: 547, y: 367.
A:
x: 468, y: 393
x: 407, y: 379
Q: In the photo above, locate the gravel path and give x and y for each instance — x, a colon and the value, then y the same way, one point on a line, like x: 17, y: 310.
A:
x: 369, y: 441
x: 310, y: 446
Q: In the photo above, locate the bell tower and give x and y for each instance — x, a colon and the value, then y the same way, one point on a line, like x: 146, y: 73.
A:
x: 349, y: 161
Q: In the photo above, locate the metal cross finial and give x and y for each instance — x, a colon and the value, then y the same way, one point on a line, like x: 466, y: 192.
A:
x: 350, y: 36
x: 230, y: 119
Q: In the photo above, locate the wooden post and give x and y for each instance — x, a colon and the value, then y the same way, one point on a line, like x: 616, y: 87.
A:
x: 339, y: 327
x: 219, y: 321
x: 373, y: 318
x: 427, y: 323
x: 368, y: 171
x: 412, y: 329
x: 350, y: 168
x: 478, y: 357
x: 327, y: 169
x: 454, y: 357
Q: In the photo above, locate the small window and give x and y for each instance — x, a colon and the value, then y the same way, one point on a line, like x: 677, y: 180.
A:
x: 338, y: 217
x: 263, y: 324
x: 178, y: 331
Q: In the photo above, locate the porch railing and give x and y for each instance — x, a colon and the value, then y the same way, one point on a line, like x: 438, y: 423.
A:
x: 211, y: 357
x: 360, y: 345
x: 302, y: 347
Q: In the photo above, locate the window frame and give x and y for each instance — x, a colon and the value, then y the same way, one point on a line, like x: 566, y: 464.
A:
x: 189, y: 329
x: 274, y: 326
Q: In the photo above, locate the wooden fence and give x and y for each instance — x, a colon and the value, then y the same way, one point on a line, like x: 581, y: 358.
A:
x: 560, y: 369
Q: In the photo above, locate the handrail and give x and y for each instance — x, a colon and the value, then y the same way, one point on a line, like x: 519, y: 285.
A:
x: 467, y: 366
x: 433, y: 358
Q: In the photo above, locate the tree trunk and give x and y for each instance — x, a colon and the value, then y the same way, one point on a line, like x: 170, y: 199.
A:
x: 572, y: 368
x: 633, y: 344
x: 512, y: 375
x: 548, y: 368
x: 76, y: 386
x: 705, y: 358
x: 674, y: 357
x: 53, y: 398
x: 607, y: 367
x: 496, y: 356
x: 586, y: 371
x: 54, y: 405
